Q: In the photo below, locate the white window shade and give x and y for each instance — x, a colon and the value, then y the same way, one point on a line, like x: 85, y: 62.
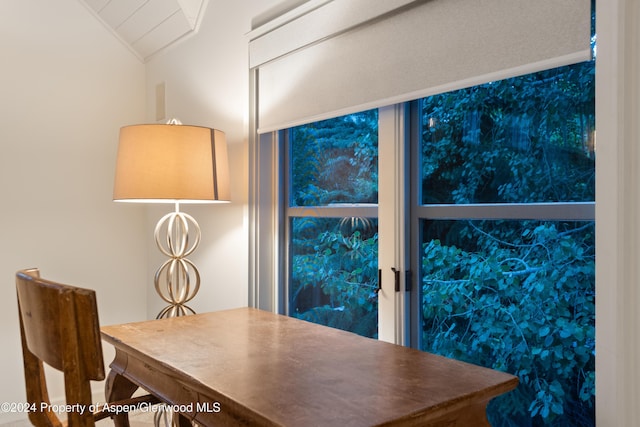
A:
x: 335, y: 57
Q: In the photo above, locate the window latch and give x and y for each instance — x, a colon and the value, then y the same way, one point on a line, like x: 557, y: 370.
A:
x: 408, y: 277
x: 396, y: 274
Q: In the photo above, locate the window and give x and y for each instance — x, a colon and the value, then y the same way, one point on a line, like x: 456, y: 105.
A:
x: 502, y: 233
x: 332, y: 231
x: 505, y: 239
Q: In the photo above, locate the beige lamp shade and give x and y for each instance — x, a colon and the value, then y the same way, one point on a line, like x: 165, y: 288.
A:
x: 171, y: 163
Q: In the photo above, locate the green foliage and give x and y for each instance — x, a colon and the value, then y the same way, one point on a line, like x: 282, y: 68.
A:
x: 334, y: 261
x: 335, y: 161
x: 515, y: 296
x: 523, y: 302
x: 334, y: 283
x: 520, y: 140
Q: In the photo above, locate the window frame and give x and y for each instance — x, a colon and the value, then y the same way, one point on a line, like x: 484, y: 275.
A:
x: 392, y: 149
x: 366, y: 210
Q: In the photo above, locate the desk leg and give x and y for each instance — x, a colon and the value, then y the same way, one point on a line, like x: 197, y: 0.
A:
x: 117, y: 388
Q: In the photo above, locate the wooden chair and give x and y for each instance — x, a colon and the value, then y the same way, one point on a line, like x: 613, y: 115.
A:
x: 59, y: 326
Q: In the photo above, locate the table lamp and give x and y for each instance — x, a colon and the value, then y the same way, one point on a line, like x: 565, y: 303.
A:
x: 173, y: 163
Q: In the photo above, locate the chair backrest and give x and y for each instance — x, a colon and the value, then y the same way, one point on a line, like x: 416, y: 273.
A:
x: 59, y: 326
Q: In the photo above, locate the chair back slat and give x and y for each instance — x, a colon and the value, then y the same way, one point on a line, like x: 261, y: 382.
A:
x: 40, y: 314
x: 43, y: 304
x: 59, y: 326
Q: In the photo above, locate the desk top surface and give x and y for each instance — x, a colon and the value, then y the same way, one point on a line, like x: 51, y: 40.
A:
x: 294, y: 372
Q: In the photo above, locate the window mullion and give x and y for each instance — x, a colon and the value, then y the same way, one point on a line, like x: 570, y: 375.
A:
x: 556, y: 211
x: 392, y: 305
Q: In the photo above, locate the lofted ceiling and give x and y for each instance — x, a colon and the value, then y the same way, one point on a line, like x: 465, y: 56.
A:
x: 148, y: 26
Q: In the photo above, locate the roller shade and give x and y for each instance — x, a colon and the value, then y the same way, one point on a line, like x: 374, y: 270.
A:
x: 337, y: 57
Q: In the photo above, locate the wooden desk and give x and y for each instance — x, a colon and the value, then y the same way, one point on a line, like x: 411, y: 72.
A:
x: 255, y: 368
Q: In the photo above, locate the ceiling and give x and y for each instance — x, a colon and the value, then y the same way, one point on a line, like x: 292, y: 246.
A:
x: 148, y: 26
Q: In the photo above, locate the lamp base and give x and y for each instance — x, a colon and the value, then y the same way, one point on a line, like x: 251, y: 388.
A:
x: 177, y: 281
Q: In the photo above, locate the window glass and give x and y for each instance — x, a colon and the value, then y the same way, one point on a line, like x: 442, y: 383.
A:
x: 517, y: 296
x: 520, y: 140
x: 335, y: 161
x: 334, y: 272
x: 333, y: 250
x: 513, y: 294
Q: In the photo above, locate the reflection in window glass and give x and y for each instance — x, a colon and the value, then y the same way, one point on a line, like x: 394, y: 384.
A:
x: 334, y: 272
x: 520, y: 140
x: 517, y: 296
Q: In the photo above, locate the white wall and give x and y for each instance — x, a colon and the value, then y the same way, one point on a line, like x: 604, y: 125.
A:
x: 66, y: 87
x: 207, y: 84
